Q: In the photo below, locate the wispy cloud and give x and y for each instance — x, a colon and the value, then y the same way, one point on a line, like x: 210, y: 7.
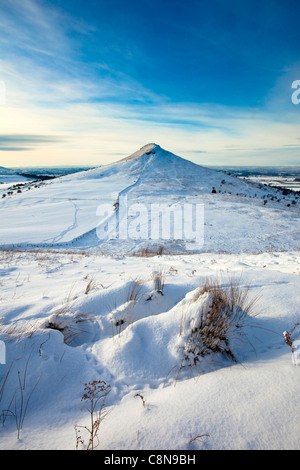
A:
x: 35, y: 28
x: 27, y: 138
x: 92, y: 113
x: 42, y: 61
x: 25, y: 142
x: 15, y: 149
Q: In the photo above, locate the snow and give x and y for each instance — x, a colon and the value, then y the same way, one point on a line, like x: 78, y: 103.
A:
x: 75, y: 309
x: 69, y: 211
x: 6, y: 181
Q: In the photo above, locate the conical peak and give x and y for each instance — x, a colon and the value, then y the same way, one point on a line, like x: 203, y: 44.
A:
x: 146, y: 149
x: 149, y: 147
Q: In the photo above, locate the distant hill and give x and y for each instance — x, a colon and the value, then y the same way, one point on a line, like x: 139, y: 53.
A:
x: 42, y: 172
x: 6, y: 171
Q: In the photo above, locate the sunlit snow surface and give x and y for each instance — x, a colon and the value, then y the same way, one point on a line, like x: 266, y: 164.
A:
x: 239, y: 216
x: 253, y: 404
x: 74, y: 310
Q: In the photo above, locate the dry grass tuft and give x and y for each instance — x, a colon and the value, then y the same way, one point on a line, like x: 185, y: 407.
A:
x: 220, y: 320
x: 134, y: 291
x: 20, y: 329
x: 92, y: 285
x: 150, y: 252
x: 70, y: 325
x: 121, y: 318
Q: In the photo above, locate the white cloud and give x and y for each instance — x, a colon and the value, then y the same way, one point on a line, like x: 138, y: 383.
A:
x: 100, y: 118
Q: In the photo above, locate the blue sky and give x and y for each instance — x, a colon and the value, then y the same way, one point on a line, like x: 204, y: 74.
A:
x: 88, y: 82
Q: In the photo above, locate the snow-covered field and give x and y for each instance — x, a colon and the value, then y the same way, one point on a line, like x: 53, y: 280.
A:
x: 285, y: 182
x: 7, y: 181
x: 77, y: 309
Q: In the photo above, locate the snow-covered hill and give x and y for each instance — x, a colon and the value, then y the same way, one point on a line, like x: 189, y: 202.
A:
x: 77, y: 210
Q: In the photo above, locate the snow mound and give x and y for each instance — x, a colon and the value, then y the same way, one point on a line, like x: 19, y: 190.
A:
x: 76, y: 318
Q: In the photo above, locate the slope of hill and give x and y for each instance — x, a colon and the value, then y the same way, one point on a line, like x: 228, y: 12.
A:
x: 86, y: 209
x: 191, y: 346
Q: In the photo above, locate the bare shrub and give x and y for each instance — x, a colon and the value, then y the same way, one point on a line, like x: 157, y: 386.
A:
x: 94, y: 396
x: 290, y: 341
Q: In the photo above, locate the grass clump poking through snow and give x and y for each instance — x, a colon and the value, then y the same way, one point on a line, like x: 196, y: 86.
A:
x: 134, y: 291
x: 69, y: 325
x: 218, y: 320
x: 121, y: 317
x: 159, y: 281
